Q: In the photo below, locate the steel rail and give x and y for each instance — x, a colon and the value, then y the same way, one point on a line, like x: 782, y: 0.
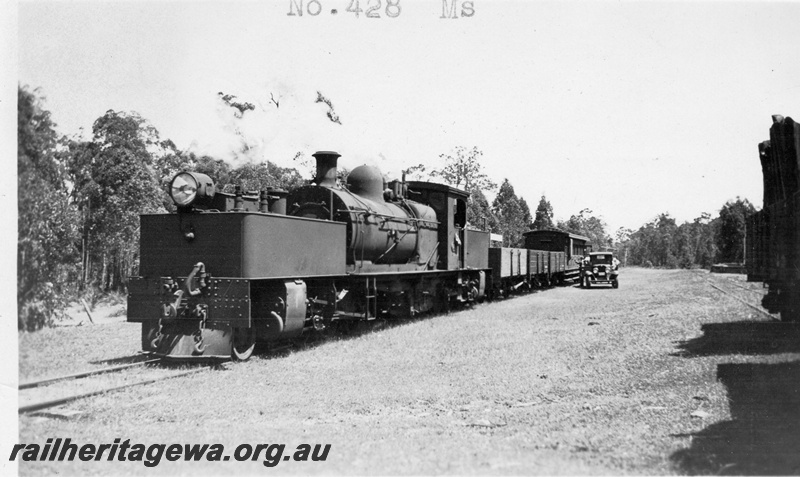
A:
x: 753, y: 290
x: 739, y: 299
x: 55, y: 402
x: 33, y: 384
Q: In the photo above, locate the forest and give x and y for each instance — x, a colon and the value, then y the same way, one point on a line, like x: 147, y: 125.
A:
x: 79, y: 202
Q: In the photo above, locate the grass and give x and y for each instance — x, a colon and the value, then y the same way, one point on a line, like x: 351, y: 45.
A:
x: 65, y: 350
x: 564, y: 381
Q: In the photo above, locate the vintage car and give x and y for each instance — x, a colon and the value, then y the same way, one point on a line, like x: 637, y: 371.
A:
x: 600, y: 267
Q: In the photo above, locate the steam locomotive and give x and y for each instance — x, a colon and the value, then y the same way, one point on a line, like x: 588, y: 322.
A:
x: 773, y: 234
x: 226, y: 270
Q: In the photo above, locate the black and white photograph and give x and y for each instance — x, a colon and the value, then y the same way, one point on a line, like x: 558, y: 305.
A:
x: 400, y: 237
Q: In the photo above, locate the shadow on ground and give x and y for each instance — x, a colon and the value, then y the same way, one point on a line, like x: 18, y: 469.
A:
x: 343, y: 330
x: 763, y: 436
x: 743, y: 337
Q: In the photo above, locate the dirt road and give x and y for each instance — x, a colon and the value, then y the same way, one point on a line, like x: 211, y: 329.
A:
x: 665, y: 375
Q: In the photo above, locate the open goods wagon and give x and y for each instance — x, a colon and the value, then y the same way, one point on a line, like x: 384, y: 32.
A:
x: 520, y: 269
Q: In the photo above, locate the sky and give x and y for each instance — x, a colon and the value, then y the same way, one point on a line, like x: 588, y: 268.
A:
x: 628, y: 109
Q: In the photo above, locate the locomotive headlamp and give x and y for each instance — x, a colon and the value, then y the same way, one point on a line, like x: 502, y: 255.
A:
x: 188, y: 188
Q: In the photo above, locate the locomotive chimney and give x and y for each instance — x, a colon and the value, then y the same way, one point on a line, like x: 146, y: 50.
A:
x: 326, y: 168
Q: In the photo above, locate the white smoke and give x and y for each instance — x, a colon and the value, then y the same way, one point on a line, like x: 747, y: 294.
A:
x: 286, y: 126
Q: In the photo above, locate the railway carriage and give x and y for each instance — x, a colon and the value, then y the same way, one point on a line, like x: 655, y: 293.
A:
x: 563, y: 266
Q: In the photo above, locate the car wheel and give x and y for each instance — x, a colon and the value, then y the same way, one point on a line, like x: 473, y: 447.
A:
x: 615, y: 284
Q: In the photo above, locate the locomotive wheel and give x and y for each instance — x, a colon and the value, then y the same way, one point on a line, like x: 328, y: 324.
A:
x: 243, y: 343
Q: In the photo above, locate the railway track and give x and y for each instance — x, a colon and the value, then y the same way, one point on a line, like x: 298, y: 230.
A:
x: 729, y: 293
x: 69, y: 395
x: 753, y: 290
x: 111, y: 369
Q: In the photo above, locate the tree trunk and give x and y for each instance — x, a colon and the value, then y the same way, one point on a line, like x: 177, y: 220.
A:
x: 104, y: 273
x: 84, y: 263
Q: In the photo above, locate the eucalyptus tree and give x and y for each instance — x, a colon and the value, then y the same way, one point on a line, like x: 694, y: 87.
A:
x: 47, y: 223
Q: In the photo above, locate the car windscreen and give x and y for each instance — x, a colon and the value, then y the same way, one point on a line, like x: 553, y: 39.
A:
x: 606, y: 258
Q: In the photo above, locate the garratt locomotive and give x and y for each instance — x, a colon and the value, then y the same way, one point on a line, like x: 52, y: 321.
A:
x: 228, y: 269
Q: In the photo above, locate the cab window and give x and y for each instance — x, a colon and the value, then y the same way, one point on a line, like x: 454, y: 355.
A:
x: 460, y: 213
